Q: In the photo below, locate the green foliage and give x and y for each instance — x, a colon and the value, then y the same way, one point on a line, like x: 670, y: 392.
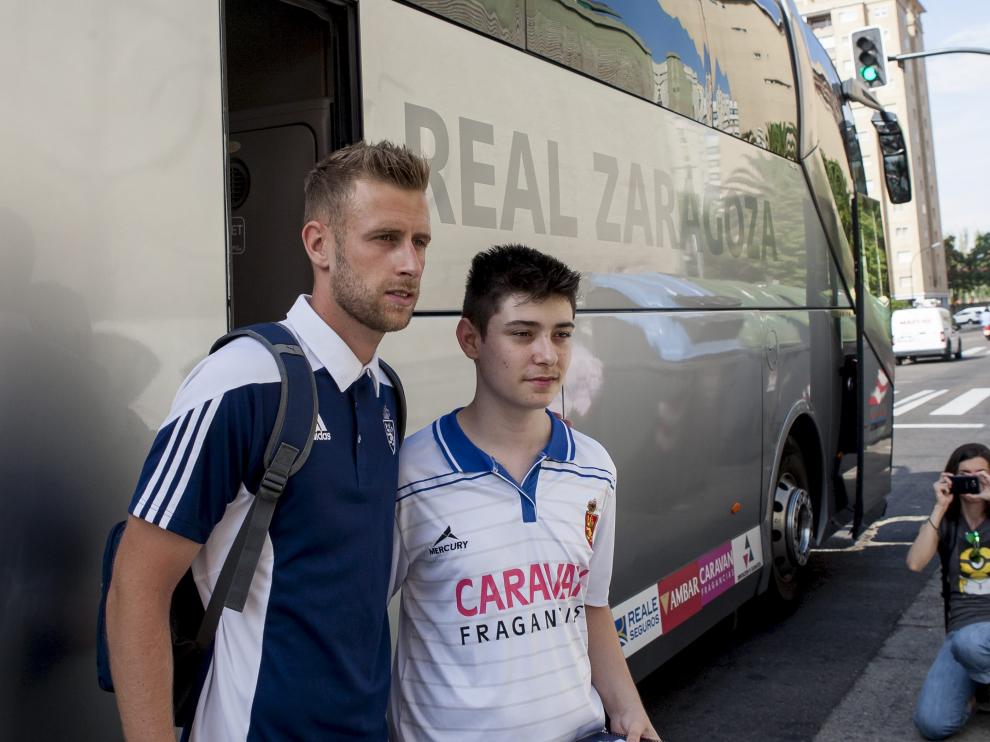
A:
x: 840, y: 192
x: 969, y: 272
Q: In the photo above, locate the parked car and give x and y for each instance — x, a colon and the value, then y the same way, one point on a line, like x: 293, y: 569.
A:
x: 968, y: 316
x: 925, y: 331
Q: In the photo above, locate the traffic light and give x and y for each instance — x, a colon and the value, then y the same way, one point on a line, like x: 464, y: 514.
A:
x: 871, y: 63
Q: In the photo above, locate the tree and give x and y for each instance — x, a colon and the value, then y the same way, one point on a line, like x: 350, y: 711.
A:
x: 957, y: 271
x: 968, y: 273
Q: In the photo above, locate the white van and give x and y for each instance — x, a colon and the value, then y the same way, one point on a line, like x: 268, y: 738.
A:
x: 925, y: 331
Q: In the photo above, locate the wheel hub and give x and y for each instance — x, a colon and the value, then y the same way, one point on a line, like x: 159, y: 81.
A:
x: 792, y: 526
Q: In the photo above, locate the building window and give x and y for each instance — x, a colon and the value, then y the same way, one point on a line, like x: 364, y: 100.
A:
x: 819, y: 22
x: 878, y: 12
x: 903, y: 256
x: 900, y: 232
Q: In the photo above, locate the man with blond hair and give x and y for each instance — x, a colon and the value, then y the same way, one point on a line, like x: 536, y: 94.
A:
x: 308, y: 658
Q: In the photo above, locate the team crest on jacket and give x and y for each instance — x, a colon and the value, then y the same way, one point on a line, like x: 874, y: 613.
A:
x: 591, y: 521
x: 389, y: 424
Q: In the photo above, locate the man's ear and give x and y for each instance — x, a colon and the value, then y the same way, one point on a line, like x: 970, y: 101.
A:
x: 319, y: 244
x: 468, y: 338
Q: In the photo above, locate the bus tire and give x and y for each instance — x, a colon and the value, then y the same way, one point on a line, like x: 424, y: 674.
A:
x: 791, y: 525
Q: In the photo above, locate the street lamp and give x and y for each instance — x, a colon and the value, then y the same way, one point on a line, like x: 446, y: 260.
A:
x: 917, y: 255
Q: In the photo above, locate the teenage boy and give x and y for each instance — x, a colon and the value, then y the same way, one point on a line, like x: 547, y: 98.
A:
x: 308, y: 658
x: 505, y: 524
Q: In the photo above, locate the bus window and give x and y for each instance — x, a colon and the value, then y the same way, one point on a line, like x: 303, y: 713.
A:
x: 753, y: 94
x: 876, y: 276
x: 639, y: 47
x: 829, y: 110
x: 500, y: 19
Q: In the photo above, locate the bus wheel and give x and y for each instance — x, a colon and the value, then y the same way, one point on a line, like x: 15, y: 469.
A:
x: 791, y: 524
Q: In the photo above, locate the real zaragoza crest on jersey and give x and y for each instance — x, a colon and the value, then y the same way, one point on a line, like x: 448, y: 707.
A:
x: 591, y: 521
x: 389, y: 424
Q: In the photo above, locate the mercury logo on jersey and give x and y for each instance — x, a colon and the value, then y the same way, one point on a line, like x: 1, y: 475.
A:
x: 447, y: 542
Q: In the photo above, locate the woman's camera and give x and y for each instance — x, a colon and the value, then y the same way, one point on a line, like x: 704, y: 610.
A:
x: 965, y: 484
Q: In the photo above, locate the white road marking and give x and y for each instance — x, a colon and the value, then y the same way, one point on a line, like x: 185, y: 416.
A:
x: 922, y: 393
x: 964, y: 402
x: 906, y: 406
x: 974, y: 351
x: 866, y: 537
x: 946, y: 426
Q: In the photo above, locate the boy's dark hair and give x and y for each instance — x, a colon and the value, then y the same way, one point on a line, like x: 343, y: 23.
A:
x: 330, y: 184
x: 965, y: 452
x: 504, y: 270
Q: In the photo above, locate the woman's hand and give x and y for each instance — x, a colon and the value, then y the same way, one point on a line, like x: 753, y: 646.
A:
x: 984, y: 493
x: 943, y: 492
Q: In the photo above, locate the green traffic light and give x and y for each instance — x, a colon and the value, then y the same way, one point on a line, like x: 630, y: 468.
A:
x: 869, y: 73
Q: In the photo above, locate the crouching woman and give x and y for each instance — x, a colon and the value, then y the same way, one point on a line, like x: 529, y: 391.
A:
x: 958, y: 529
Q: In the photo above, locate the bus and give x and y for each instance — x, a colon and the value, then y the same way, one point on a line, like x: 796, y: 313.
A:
x: 696, y: 161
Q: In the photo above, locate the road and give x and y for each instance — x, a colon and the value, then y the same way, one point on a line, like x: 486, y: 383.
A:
x: 848, y: 660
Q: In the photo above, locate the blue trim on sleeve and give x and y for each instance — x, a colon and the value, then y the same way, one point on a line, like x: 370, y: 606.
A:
x: 183, y: 463
x: 165, y: 469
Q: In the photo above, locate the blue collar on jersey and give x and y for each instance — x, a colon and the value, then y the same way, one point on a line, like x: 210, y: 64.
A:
x: 464, y: 456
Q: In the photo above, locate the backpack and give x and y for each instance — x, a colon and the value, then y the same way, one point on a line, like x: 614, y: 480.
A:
x: 289, y: 444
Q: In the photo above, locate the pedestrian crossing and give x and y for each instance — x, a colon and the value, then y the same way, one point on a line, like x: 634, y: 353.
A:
x: 959, y: 405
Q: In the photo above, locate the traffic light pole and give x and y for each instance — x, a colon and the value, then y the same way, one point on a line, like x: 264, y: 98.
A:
x: 935, y: 52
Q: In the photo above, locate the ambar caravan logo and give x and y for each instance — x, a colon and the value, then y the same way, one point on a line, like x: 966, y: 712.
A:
x: 680, y: 596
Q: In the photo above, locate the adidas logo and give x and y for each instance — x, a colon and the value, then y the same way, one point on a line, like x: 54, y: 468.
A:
x: 321, y: 434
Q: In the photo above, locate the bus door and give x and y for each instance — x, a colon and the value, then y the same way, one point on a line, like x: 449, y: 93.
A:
x: 289, y: 105
x: 874, y: 364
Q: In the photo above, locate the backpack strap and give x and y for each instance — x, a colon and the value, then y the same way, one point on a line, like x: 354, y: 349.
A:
x: 400, y: 395
x: 288, y: 448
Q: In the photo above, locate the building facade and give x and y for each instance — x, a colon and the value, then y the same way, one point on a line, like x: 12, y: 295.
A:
x: 913, y: 230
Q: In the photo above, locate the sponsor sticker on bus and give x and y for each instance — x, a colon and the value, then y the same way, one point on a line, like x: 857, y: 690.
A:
x: 716, y: 572
x: 637, y: 620
x: 747, y: 553
x: 680, y: 596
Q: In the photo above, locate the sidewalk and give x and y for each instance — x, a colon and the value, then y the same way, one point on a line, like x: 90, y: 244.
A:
x: 879, y: 706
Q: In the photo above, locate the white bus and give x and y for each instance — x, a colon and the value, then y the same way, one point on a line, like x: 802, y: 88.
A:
x: 696, y: 161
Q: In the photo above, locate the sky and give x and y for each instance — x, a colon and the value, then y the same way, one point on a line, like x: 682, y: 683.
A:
x: 959, y: 96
